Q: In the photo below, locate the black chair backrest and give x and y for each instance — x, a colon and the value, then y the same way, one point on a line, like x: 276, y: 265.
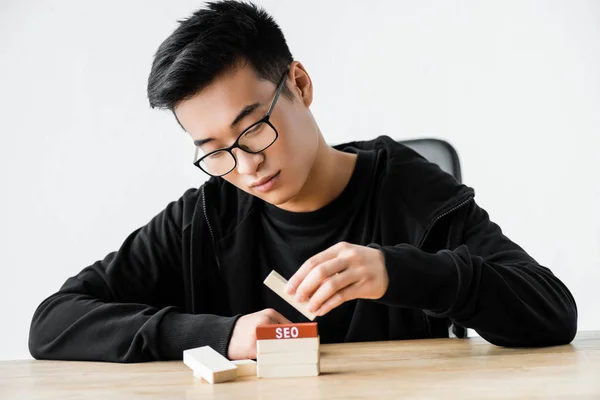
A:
x: 443, y: 154
x: 439, y: 152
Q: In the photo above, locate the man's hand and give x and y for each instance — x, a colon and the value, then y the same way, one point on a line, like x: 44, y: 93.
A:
x: 243, y: 339
x: 341, y: 273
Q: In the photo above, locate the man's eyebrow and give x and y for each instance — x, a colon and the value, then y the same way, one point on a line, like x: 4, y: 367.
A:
x: 249, y: 109
x: 201, y: 142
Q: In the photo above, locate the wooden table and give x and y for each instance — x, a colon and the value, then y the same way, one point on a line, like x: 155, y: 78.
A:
x: 440, y: 368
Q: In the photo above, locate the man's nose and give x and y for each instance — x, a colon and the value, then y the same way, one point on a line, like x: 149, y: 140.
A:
x: 247, y: 163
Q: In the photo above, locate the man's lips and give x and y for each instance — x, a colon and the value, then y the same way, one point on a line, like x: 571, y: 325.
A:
x: 263, y: 182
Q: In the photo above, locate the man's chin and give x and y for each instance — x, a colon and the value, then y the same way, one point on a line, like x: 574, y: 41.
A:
x: 273, y: 198
x: 278, y: 198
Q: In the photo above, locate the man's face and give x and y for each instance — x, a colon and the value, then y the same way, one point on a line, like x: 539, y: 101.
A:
x: 208, y: 116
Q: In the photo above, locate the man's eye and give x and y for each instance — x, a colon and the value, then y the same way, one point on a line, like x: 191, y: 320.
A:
x: 217, y: 155
x: 254, y: 130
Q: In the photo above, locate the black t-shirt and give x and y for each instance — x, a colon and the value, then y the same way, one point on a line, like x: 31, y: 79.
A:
x: 290, y: 238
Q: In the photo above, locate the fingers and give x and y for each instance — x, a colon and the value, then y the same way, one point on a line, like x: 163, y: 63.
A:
x: 280, y: 319
x: 346, y: 294
x: 318, y: 275
x: 330, y: 287
x: 275, y: 317
x: 310, y: 264
x: 243, y: 338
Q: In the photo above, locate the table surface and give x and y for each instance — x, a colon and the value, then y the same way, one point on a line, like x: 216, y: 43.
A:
x: 432, y: 368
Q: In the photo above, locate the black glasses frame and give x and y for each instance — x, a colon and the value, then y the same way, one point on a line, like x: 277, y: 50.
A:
x: 266, y: 119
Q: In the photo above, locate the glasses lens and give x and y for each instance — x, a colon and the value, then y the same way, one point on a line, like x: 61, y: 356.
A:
x: 258, y: 137
x: 218, y: 163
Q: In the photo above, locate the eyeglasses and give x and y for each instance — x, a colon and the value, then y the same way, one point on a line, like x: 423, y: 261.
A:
x: 255, y: 139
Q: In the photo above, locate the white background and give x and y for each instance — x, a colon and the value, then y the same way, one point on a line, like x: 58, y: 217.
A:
x: 513, y: 85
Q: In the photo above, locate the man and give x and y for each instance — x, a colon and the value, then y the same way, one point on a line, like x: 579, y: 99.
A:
x: 381, y: 244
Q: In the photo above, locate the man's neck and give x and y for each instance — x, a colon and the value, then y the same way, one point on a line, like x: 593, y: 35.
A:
x: 328, y: 177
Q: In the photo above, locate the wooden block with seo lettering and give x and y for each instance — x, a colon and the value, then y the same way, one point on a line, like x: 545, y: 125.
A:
x: 287, y: 331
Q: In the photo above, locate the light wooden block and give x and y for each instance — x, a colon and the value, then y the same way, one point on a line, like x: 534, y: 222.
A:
x: 297, y: 357
x: 287, y: 346
x: 277, y: 283
x: 245, y: 367
x: 287, y: 371
x: 287, y: 331
x: 209, y: 365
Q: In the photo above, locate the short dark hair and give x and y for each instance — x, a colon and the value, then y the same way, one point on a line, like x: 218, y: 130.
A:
x: 212, y: 40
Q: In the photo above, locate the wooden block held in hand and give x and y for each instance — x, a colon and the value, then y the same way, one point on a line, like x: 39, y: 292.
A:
x: 287, y: 331
x: 209, y: 365
x: 245, y: 367
x: 287, y: 346
x: 277, y: 283
x: 287, y: 371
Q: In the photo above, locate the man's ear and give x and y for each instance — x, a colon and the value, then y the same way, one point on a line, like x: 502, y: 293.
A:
x: 302, y: 83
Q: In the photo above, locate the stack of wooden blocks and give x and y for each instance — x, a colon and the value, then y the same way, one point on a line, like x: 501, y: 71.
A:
x: 282, y: 350
x: 287, y: 350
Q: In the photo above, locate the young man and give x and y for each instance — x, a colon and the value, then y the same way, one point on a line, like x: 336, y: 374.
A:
x: 381, y: 244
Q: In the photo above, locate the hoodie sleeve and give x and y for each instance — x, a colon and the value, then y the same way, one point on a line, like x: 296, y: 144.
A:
x: 127, y: 307
x: 488, y: 283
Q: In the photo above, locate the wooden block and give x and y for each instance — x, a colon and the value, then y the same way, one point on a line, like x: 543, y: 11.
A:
x: 277, y: 283
x: 217, y: 378
x: 287, y: 371
x: 287, y: 331
x: 198, y: 376
x: 245, y: 367
x: 209, y: 365
x: 297, y: 357
x: 287, y: 346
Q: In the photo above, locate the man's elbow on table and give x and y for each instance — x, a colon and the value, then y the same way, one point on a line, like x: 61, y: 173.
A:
x: 45, y: 338
x: 37, y: 348
x: 558, y: 329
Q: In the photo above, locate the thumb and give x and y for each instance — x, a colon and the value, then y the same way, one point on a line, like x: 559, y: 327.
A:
x: 280, y: 319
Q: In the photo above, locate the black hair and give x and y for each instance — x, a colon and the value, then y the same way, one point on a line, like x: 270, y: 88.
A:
x: 211, y: 41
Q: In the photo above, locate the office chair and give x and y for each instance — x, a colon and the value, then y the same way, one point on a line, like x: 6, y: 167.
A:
x: 439, y: 152
x: 443, y: 154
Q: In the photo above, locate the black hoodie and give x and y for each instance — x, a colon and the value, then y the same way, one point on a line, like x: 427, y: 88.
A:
x: 182, y: 280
